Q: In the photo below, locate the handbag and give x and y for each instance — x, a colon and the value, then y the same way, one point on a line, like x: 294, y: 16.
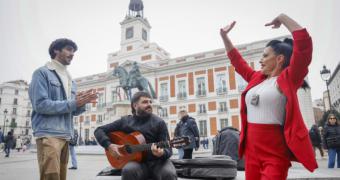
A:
x: 333, y: 142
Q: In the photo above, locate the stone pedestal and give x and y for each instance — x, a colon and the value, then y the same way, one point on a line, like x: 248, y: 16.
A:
x: 123, y: 108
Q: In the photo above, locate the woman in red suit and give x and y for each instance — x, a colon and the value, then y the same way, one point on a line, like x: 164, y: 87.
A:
x: 273, y: 132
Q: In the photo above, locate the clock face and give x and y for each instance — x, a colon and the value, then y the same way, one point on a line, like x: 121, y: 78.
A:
x: 145, y: 35
x: 129, y: 33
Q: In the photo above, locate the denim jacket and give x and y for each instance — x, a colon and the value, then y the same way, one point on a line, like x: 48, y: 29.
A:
x: 52, y: 112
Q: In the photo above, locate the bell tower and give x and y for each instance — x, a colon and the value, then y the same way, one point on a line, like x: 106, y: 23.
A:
x: 135, y: 42
x: 135, y: 29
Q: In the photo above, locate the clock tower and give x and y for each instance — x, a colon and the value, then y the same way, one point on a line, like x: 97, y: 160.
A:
x: 135, y: 42
x: 135, y: 29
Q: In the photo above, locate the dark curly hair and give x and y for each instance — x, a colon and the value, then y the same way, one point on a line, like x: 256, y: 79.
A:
x: 59, y: 44
x: 135, y: 98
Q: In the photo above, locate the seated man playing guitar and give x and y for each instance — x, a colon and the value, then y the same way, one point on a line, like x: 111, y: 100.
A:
x: 156, y: 163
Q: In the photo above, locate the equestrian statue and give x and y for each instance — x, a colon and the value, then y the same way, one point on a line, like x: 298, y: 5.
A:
x: 133, y: 79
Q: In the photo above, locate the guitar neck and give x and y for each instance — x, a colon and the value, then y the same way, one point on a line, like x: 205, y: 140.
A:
x: 145, y: 147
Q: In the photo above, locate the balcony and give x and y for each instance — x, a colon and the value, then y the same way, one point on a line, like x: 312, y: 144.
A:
x: 222, y: 110
x: 163, y: 98
x: 182, y: 96
x: 202, y: 111
x: 221, y: 91
x: 201, y: 93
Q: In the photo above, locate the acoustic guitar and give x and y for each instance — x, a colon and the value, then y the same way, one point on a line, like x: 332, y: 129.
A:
x: 135, y: 147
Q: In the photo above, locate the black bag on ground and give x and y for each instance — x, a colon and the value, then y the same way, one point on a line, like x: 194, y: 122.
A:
x: 216, y: 166
x: 226, y: 143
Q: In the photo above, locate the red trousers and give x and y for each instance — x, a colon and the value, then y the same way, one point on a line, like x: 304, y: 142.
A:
x: 266, y: 153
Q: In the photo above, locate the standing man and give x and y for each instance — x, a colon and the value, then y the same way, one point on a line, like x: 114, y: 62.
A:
x: 315, y: 137
x: 53, y: 96
x: 188, y: 127
x: 157, y: 164
x: 73, y: 143
x: 1, y: 136
x: 9, y: 143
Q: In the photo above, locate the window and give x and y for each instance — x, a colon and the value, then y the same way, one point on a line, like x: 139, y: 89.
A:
x: 222, y: 107
x: 28, y: 113
x: 114, y: 96
x: 75, y: 121
x: 201, y: 86
x: 163, y: 112
x: 87, y: 134
x: 1, y: 91
x: 182, y: 94
x: 88, y: 107
x: 129, y: 33
x: 221, y: 83
x: 16, y: 92
x: 101, y: 102
x: 241, y: 83
x: 224, y: 123
x: 0, y: 100
x: 87, y: 120
x: 100, y: 119
x: 144, y: 35
x: 202, y: 109
x: 27, y: 123
x: 13, y: 124
x: 203, y: 128
x: 15, y: 101
x: 14, y: 112
x: 164, y: 92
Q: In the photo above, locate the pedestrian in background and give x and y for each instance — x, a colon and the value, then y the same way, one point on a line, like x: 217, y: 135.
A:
x: 73, y: 143
x: 1, y: 136
x: 332, y: 140
x: 18, y: 144
x: 9, y: 143
x: 187, y: 127
x: 315, y: 137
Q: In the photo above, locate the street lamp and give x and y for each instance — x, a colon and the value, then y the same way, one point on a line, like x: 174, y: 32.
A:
x: 80, y: 138
x: 5, y: 113
x: 325, y: 75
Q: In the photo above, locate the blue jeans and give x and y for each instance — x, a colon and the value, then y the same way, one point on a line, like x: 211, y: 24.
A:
x: 73, y: 156
x: 180, y: 153
x: 7, y: 150
x: 332, y: 153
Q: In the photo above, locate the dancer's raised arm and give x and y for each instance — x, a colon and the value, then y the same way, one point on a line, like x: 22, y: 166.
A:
x: 288, y: 22
x: 224, y: 34
x: 235, y: 57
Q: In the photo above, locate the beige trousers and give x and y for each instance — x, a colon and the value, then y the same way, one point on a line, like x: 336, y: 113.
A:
x: 52, y: 158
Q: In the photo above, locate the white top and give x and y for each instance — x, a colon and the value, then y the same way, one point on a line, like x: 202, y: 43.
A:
x: 63, y: 74
x: 270, y: 108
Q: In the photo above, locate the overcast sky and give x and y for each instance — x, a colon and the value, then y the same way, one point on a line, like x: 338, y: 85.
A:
x: 182, y: 27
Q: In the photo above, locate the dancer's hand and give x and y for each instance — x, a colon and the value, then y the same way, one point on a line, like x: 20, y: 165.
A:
x: 288, y: 22
x: 276, y: 22
x: 224, y: 31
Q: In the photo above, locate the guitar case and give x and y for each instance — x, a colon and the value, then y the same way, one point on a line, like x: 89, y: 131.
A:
x: 215, y: 166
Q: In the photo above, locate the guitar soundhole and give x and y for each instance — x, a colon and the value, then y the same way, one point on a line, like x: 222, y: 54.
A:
x: 128, y: 149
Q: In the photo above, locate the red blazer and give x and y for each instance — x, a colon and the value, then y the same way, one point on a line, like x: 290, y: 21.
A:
x: 289, y: 81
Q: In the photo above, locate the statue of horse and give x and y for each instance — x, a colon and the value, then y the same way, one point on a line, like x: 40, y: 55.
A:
x: 127, y: 81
